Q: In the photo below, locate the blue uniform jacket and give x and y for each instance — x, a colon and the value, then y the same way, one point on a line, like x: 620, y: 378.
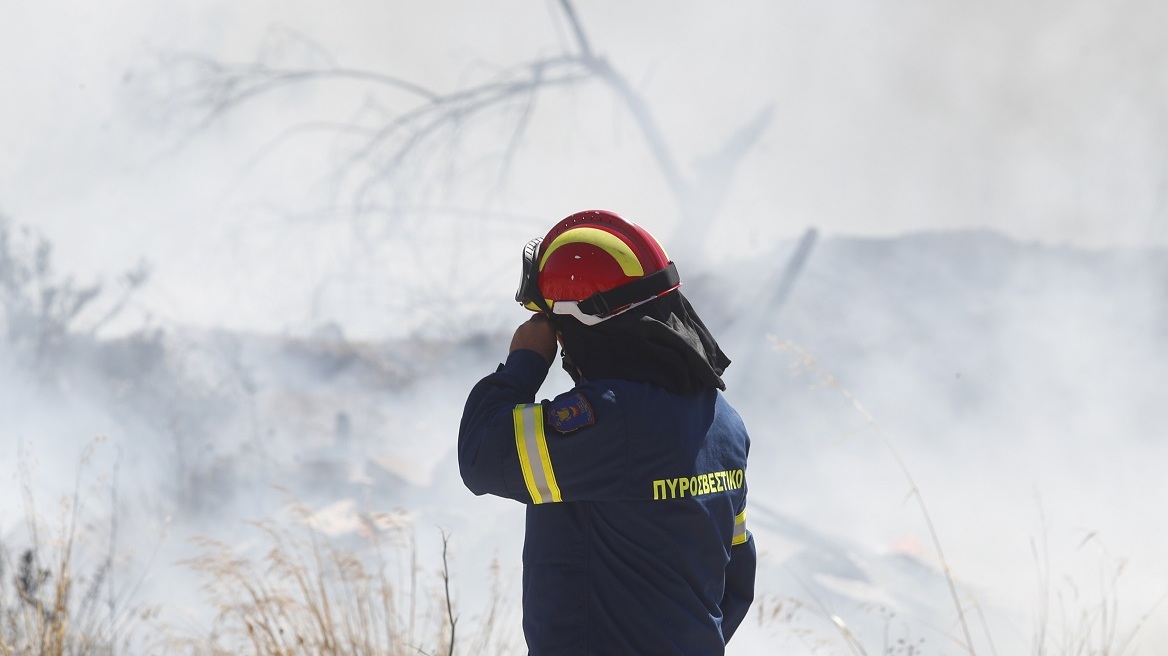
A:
x: 636, y: 539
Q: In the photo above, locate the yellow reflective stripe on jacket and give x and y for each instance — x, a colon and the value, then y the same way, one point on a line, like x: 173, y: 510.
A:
x: 531, y: 443
x: 739, y: 529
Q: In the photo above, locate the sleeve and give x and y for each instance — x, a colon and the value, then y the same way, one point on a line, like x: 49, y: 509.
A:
x: 739, y: 591
x: 512, y: 447
x: 740, y: 572
x: 486, y: 437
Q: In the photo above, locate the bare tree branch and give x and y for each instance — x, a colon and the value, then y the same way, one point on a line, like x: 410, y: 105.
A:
x: 380, y: 148
x: 637, y: 107
x: 698, y: 199
x: 577, y: 29
x: 224, y: 87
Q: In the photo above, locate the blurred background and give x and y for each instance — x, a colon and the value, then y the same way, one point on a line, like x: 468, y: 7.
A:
x: 275, y: 243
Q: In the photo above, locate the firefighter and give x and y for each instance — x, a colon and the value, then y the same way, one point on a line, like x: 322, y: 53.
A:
x: 634, y: 479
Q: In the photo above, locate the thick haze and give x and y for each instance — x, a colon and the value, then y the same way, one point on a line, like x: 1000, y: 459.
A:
x: 1046, y: 121
x: 989, y: 182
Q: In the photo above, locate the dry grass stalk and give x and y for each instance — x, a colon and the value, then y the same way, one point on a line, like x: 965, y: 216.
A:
x: 307, y: 596
x: 1087, y: 630
x: 40, y: 612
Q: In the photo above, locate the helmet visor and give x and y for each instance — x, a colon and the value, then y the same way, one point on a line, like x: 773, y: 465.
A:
x: 528, y: 293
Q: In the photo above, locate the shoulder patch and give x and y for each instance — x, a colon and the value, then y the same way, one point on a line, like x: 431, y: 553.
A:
x: 570, y: 413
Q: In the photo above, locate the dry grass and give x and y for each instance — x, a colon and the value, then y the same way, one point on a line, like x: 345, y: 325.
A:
x: 1073, y: 620
x: 308, y: 596
x: 304, y: 594
x: 57, y: 599
x: 1086, y: 625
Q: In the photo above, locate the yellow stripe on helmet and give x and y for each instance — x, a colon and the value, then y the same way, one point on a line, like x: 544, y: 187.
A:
x: 612, y: 244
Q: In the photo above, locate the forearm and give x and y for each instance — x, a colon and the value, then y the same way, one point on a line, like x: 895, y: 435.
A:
x: 486, y: 439
x: 739, y: 592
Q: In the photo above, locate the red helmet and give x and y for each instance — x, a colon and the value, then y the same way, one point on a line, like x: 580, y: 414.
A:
x: 594, y: 265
